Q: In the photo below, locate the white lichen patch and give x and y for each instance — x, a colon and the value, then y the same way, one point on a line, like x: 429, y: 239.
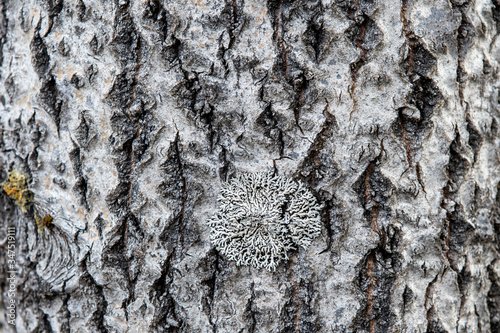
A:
x: 261, y: 217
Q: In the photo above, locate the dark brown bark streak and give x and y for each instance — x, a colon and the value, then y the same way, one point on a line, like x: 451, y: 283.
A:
x: 314, y: 163
x: 279, y: 36
x: 370, y: 261
x: 369, y: 293
x: 409, y: 36
x: 407, y: 144
x: 299, y: 84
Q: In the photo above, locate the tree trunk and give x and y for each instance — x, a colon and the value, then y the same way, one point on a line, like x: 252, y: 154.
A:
x: 126, y: 117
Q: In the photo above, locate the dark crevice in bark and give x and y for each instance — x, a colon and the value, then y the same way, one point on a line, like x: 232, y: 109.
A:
x: 81, y: 11
x: 127, y: 48
x: 420, y: 178
x: 30, y: 295
x: 374, y: 191
x: 81, y: 133
x: 226, y: 166
x: 479, y: 320
x: 141, y: 114
x: 315, y: 35
x: 230, y: 16
x: 126, y: 42
x: 116, y: 256
x: 155, y: 14
x: 63, y: 315
x: 199, y: 97
x: 433, y: 323
x: 376, y: 279
x: 458, y: 234
x: 493, y: 298
x: 95, y: 292
x: 122, y: 92
x: 99, y: 224
x: 475, y: 137
x: 31, y: 161
x: 80, y: 187
x: 496, y: 13
x: 90, y: 73
x: 327, y: 218
x: 318, y: 166
x: 44, y: 324
x: 419, y: 61
x: 126, y: 126
x: 3, y: 28
x: 378, y: 270
x: 296, y: 78
x: 364, y: 34
x: 495, y: 217
x: 465, y: 38
x: 165, y: 318
x: 275, y: 9
x: 458, y: 165
x: 457, y: 229
x: 95, y: 46
x: 63, y: 48
x: 249, y: 311
x: 212, y: 265
x: 270, y: 122
x: 357, y: 7
x: 414, y: 120
x: 172, y: 52
x: 494, y: 129
x: 298, y: 312
x: 54, y: 9
x: 301, y: 85
x: 174, y: 189
x: 464, y: 279
x: 49, y: 93
x: 334, y: 216
x: 408, y: 298
x: 77, y: 81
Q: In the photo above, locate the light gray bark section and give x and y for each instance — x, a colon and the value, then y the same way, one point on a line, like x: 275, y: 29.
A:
x: 128, y: 115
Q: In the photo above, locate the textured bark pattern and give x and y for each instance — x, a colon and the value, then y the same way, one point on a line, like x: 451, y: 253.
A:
x: 127, y: 116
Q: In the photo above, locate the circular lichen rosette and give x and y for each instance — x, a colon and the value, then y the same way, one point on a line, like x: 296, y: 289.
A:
x: 261, y: 216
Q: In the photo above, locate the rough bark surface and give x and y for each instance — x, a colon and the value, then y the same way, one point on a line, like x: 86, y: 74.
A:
x: 127, y: 115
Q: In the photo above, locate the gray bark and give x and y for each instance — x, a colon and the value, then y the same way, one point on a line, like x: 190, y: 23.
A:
x: 127, y: 116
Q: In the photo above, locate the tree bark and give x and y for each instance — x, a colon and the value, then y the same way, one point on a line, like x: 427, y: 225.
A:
x: 126, y: 117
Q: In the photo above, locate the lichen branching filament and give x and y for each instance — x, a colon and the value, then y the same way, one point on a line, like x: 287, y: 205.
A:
x: 261, y: 217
